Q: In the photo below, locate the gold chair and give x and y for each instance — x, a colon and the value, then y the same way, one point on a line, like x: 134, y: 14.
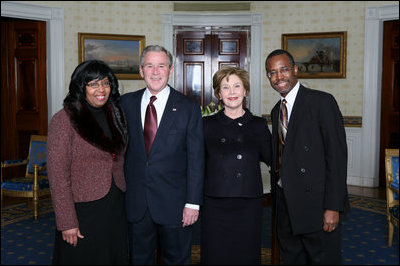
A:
x: 35, y: 183
x: 392, y: 191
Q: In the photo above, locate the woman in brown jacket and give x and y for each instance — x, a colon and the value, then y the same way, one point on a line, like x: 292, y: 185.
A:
x: 86, y: 145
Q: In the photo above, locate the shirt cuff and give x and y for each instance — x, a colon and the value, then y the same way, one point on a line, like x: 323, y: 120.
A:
x: 192, y: 206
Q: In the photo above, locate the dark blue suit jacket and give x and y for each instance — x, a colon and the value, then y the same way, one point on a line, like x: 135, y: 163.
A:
x: 173, y: 173
x: 314, y: 161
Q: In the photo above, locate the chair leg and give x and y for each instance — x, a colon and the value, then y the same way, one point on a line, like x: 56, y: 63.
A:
x: 35, y: 208
x: 35, y: 192
x: 390, y: 233
x: 1, y: 202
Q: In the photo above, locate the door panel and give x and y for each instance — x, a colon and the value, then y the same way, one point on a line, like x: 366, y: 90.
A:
x: 199, y: 54
x: 193, y: 80
x: 23, y: 91
x: 390, y: 94
x: 192, y: 65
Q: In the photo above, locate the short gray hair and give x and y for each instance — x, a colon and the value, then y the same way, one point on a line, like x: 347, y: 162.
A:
x: 156, y: 48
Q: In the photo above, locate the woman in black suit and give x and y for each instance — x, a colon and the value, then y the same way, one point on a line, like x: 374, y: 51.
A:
x: 236, y: 141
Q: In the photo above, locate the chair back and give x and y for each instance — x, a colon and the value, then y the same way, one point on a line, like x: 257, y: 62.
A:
x: 392, y: 191
x: 392, y: 171
x: 395, y: 175
x: 37, y: 155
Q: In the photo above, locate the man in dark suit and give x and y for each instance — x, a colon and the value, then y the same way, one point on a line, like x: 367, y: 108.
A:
x: 310, y: 167
x: 164, y: 178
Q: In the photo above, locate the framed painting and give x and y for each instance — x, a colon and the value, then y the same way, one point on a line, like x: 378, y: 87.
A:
x: 120, y: 52
x: 318, y: 55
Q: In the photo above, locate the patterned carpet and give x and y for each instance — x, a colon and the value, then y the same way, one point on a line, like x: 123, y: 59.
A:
x: 24, y: 241
x: 19, y: 212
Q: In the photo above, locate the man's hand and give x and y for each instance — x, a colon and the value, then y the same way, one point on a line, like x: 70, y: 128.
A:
x: 190, y: 216
x: 331, y: 220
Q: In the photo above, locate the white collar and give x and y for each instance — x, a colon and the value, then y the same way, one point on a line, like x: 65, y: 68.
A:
x: 162, y: 96
x: 291, y: 96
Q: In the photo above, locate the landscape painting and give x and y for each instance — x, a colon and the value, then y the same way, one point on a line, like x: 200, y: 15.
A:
x: 120, y: 52
x: 318, y: 55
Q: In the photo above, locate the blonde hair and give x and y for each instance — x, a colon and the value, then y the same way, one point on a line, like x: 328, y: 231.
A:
x: 226, y: 72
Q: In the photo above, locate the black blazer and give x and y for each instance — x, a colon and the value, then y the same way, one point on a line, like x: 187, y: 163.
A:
x: 314, y: 160
x: 234, y: 149
x: 172, y: 174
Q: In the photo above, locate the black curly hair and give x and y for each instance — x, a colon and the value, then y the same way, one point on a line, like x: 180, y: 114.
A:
x: 84, y: 73
x: 279, y: 52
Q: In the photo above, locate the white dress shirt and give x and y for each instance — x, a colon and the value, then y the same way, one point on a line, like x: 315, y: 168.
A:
x: 290, y: 98
x: 159, y: 104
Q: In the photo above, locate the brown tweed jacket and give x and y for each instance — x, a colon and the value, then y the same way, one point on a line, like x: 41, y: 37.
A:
x: 81, y: 161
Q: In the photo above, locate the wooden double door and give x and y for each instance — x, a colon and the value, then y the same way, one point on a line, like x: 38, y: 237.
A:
x: 199, y: 54
x: 389, y: 133
x: 23, y: 85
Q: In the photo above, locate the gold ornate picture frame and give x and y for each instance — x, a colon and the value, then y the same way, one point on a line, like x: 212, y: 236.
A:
x: 318, y: 55
x: 120, y: 52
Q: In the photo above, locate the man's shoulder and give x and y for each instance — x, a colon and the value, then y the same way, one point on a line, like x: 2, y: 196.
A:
x: 131, y: 95
x: 316, y: 95
x: 314, y: 92
x: 182, y: 97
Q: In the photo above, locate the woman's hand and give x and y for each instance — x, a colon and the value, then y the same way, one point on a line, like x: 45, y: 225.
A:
x: 71, y: 236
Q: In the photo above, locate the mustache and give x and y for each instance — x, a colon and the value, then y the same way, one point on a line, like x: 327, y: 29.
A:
x: 282, y: 80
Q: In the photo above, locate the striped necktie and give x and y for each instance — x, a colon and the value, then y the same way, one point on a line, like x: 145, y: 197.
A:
x: 283, y: 121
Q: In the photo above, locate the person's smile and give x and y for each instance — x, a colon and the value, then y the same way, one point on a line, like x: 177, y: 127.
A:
x: 233, y: 98
x: 100, y: 97
x: 282, y: 83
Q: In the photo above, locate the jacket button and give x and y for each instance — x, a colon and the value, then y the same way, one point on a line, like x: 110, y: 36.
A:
x: 302, y: 170
x: 306, y: 148
x: 223, y: 140
x: 239, y: 156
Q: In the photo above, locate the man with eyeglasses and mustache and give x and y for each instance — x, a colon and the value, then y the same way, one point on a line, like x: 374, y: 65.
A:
x: 309, y: 167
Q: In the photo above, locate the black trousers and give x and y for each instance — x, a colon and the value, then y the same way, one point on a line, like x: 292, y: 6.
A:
x: 315, y: 248
x: 175, y: 242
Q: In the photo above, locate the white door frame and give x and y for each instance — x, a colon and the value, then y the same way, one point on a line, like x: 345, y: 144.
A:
x: 252, y: 20
x: 54, y: 18
x: 373, y: 43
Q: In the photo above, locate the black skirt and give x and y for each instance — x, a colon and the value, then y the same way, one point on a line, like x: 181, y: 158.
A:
x: 231, y: 231
x: 104, y: 227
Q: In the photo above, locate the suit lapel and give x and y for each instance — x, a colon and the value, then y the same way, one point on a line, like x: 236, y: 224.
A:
x: 136, y: 103
x: 275, y: 121
x: 296, y: 116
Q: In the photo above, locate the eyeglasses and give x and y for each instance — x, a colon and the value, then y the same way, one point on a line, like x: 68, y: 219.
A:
x: 284, y: 71
x: 96, y: 85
